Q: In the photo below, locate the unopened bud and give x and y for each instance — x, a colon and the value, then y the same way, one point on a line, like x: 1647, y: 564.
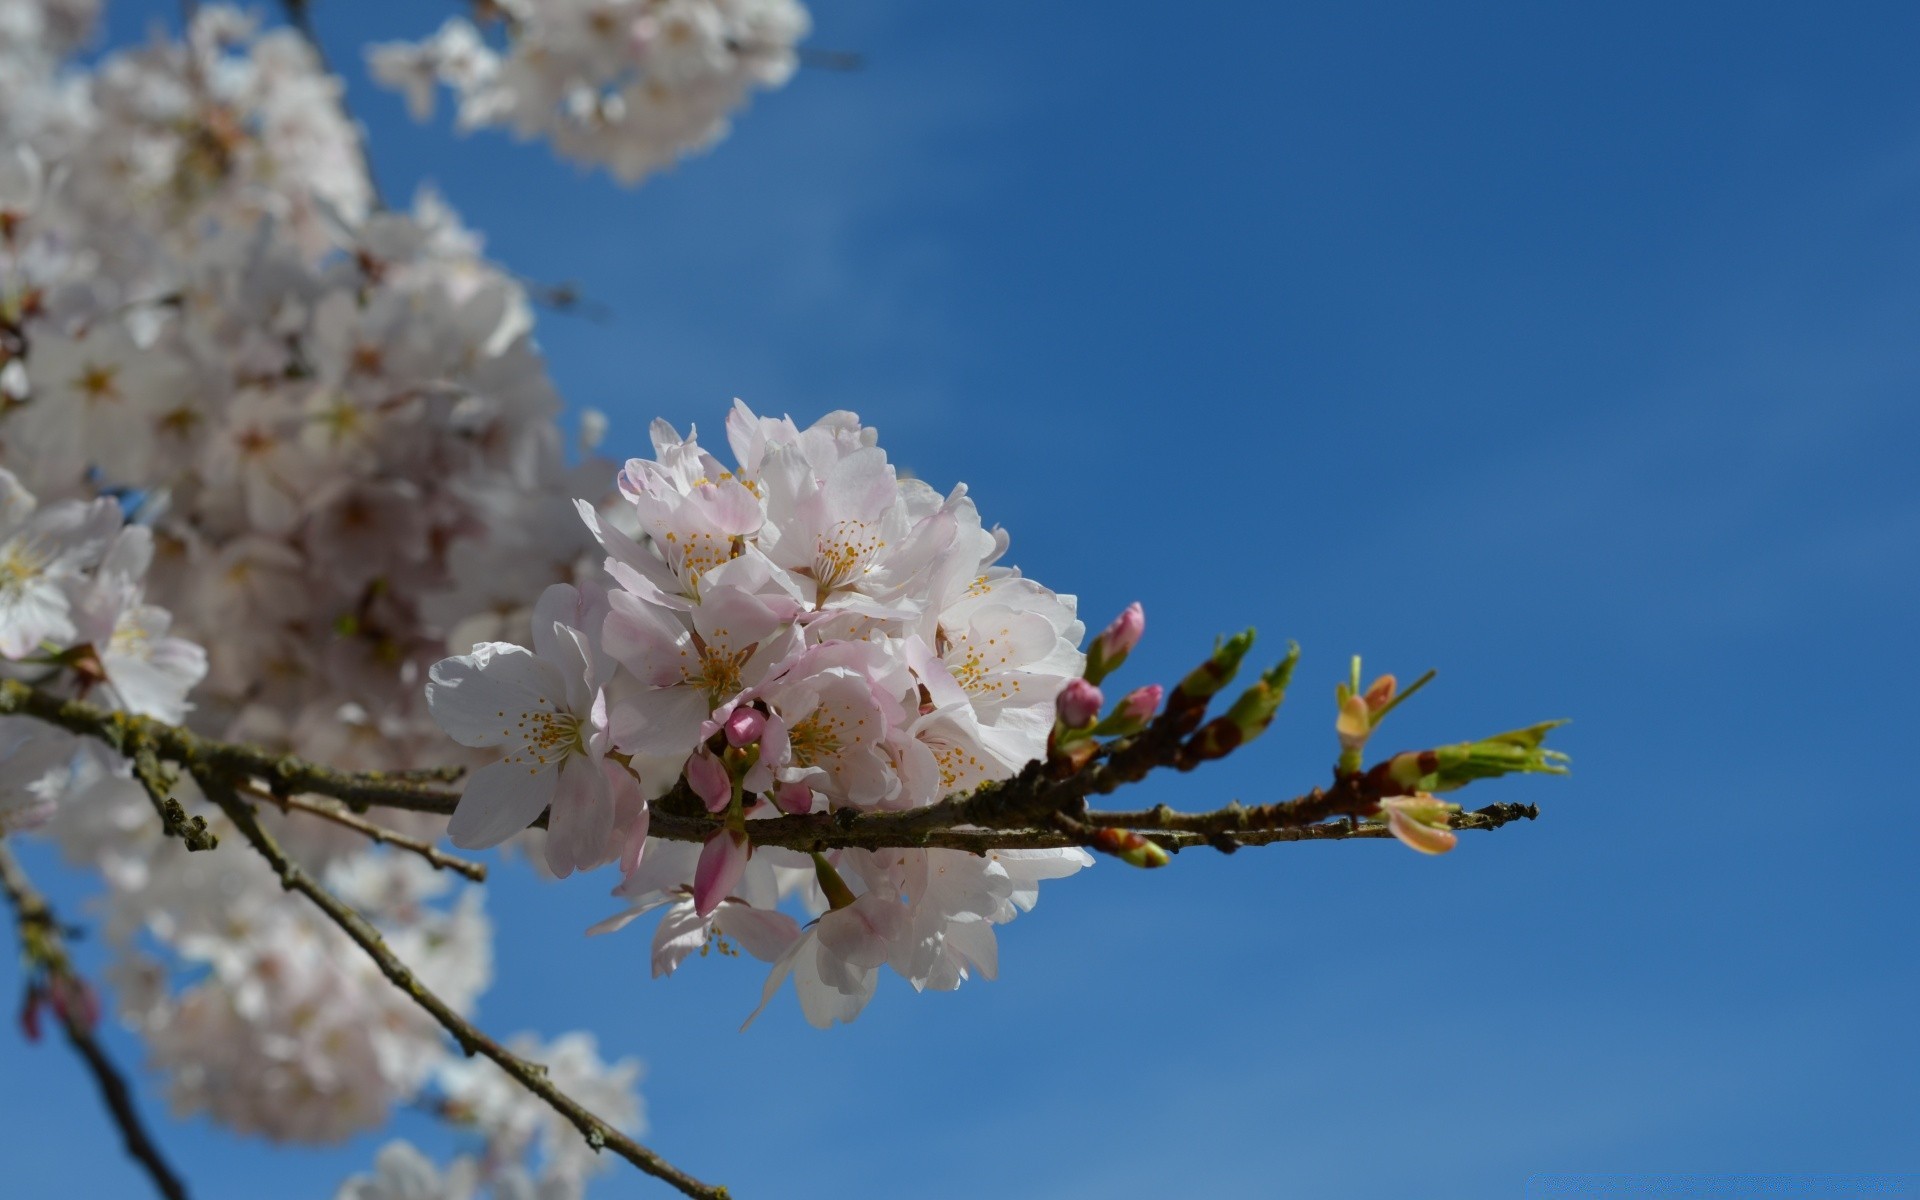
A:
x: 723, y: 860
x: 794, y: 799
x: 74, y: 1001
x: 1131, y: 715
x: 1422, y: 822
x: 30, y: 1012
x: 1255, y: 708
x: 1131, y: 848
x: 1205, y: 680
x: 744, y: 726
x: 1079, y: 703
x: 1354, y: 724
x: 1115, y: 642
x: 708, y: 778
x: 1516, y: 752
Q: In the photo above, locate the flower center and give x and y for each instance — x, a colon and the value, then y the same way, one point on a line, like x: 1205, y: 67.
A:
x: 546, y: 737
x: 694, y: 554
x: 848, y: 551
x: 719, y: 673
x: 815, y: 738
x: 19, y: 566
x: 98, y: 383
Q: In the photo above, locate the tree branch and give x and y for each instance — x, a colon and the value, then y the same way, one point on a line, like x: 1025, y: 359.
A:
x: 68, y: 994
x: 376, y: 833
x: 1013, y: 814
x: 472, y: 1041
x: 1044, y: 806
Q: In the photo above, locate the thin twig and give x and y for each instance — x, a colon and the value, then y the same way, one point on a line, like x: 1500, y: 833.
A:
x: 376, y: 833
x: 472, y: 1041
x: 985, y: 841
x: 45, y: 948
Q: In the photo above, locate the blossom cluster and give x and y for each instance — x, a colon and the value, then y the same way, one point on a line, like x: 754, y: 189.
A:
x: 73, y: 609
x: 267, y: 452
x: 805, y: 631
x: 633, y: 85
x: 516, y: 1129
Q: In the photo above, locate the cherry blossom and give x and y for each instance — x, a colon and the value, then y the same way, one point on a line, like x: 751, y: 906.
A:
x: 633, y: 86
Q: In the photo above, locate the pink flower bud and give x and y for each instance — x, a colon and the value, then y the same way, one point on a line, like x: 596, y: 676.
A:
x: 30, y: 1012
x: 74, y: 1001
x: 709, y: 780
x: 1118, y: 639
x: 744, y: 726
x: 795, y: 799
x: 1080, y: 704
x: 1139, y: 705
x: 723, y: 860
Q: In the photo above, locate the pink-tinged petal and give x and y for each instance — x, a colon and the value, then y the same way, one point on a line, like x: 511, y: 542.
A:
x: 860, y: 487
x: 731, y: 618
x: 621, y: 920
x: 731, y: 507
x: 558, y: 605
x: 708, y: 778
x: 665, y: 868
x: 631, y: 564
x: 573, y: 657
x: 1424, y: 838
x: 499, y: 801
x: 723, y: 860
x: 794, y: 799
x: 477, y: 698
x: 661, y: 723
x: 580, y: 823
x: 863, y: 933
x: 775, y: 752
x: 934, y: 674
x: 764, y: 933
x: 680, y: 932
x: 632, y: 815
x: 976, y: 942
x: 782, y: 968
x: 828, y: 991
x: 651, y: 641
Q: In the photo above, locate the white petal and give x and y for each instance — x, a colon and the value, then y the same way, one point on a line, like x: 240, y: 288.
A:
x: 782, y: 968
x: 680, y: 932
x: 761, y: 932
x: 580, y: 822
x: 477, y: 698
x: 499, y: 801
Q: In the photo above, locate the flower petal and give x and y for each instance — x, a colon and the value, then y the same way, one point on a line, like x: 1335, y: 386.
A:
x: 499, y: 801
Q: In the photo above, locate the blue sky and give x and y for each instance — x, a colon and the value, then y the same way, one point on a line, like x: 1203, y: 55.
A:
x: 1570, y: 352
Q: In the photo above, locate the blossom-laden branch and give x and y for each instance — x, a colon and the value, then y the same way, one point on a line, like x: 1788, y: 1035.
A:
x: 1042, y: 807
x: 1012, y: 815
x: 531, y: 1076
x: 53, y: 984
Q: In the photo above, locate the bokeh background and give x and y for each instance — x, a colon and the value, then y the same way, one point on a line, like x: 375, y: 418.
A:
x: 1568, y: 349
